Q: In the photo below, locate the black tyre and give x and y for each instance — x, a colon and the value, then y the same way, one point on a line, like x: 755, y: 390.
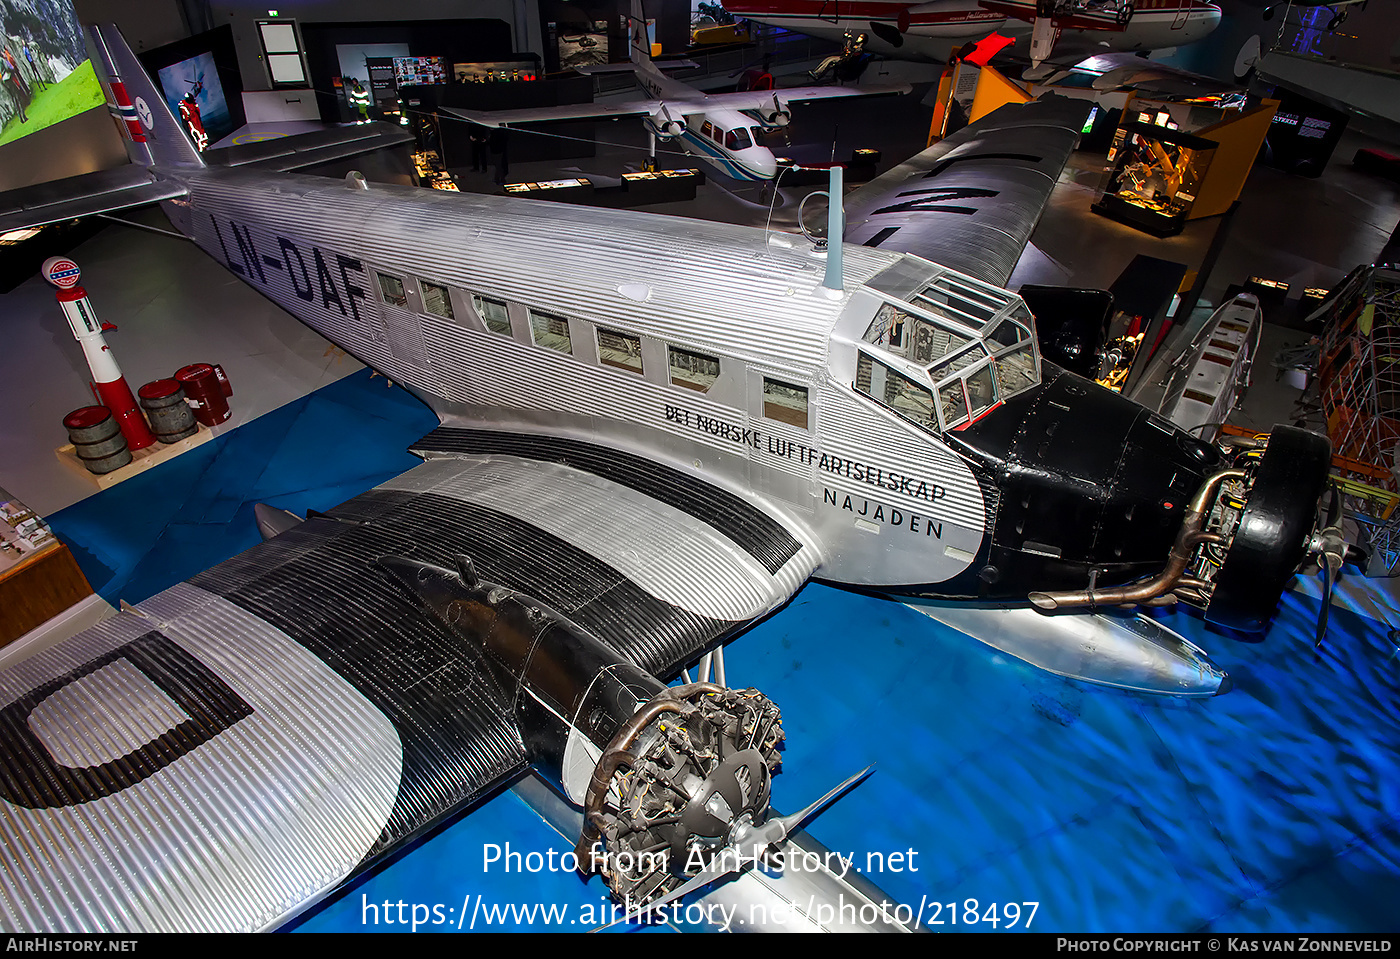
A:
x: 1274, y: 530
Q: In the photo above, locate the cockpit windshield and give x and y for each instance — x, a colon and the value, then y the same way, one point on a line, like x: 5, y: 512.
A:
x: 973, y: 343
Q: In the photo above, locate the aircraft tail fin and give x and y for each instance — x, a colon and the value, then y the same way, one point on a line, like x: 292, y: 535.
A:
x: 639, y: 40
x: 154, y: 137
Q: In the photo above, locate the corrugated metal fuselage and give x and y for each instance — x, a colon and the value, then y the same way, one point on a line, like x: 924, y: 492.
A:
x: 886, y: 504
x: 589, y: 307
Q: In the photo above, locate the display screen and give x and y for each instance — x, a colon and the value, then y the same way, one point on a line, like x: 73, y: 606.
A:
x: 352, y: 58
x: 196, y: 97
x: 419, y: 71
x: 45, y: 75
x: 495, y: 71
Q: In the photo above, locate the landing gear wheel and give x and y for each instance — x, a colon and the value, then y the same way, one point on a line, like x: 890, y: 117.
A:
x: 1274, y: 530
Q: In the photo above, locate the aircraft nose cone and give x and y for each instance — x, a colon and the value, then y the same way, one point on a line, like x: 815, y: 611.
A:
x: 765, y: 165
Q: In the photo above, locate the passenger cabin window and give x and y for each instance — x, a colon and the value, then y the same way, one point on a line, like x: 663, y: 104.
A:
x: 737, y: 139
x: 622, y: 350
x: 716, y: 134
x: 392, y: 289
x: 708, y: 129
x: 493, y: 313
x: 785, y: 403
x: 694, y: 371
x: 436, y: 299
x: 551, y: 331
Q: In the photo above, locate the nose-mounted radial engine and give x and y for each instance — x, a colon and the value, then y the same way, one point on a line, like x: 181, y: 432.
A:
x: 1250, y: 526
x: 674, y: 781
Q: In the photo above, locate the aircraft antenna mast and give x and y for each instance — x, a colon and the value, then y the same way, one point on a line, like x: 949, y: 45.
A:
x: 835, y: 224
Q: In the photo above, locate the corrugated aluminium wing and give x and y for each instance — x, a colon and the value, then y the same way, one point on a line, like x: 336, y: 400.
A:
x: 971, y: 201
x: 101, y: 192
x: 106, y: 191
x: 227, y: 752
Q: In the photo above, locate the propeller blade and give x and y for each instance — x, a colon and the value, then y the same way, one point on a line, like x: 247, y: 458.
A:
x: 1331, y: 566
x: 795, y: 821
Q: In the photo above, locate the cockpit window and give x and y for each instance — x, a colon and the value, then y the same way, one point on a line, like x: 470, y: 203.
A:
x: 898, y: 392
x: 895, y: 329
x: 952, y: 404
x: 966, y: 344
x: 737, y: 139
x: 958, y: 363
x: 1015, y: 371
x: 1008, y: 333
x: 959, y: 301
x: 981, y: 393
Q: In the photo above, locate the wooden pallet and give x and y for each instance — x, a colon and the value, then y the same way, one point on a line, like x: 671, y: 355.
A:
x: 141, y: 460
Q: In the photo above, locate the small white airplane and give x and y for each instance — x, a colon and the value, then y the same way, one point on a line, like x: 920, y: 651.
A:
x: 931, y: 31
x: 723, y: 130
x: 653, y: 431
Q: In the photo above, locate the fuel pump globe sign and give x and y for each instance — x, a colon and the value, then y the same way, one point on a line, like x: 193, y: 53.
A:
x: 60, y: 272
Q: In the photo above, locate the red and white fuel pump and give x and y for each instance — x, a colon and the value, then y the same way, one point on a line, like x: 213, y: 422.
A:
x: 108, y: 382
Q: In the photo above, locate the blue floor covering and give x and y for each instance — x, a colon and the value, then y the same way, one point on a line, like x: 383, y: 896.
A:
x: 1274, y: 808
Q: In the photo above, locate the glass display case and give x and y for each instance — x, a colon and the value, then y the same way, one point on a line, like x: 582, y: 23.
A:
x: 1154, y: 175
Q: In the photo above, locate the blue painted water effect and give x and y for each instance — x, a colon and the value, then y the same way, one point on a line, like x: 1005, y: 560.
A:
x: 1273, y: 808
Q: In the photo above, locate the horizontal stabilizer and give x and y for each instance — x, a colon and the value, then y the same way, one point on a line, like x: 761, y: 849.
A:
x: 282, y: 154
x: 101, y: 192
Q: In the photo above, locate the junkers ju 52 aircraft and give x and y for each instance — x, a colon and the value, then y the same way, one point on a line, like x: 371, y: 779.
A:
x: 653, y: 432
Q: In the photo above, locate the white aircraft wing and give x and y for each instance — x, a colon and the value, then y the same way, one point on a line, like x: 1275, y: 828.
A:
x: 971, y: 201
x: 229, y: 751
x: 567, y: 111
x: 760, y: 99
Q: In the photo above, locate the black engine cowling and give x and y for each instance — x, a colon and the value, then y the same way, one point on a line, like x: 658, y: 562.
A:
x: 1272, y: 530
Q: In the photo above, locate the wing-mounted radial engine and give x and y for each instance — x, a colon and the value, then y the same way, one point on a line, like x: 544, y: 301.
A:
x: 674, y: 781
x: 685, y: 774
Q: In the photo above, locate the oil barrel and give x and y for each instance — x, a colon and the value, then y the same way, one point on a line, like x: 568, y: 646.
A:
x: 97, y: 439
x: 170, y: 417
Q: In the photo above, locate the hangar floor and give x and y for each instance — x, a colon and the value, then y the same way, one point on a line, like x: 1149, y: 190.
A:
x: 1273, y: 808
